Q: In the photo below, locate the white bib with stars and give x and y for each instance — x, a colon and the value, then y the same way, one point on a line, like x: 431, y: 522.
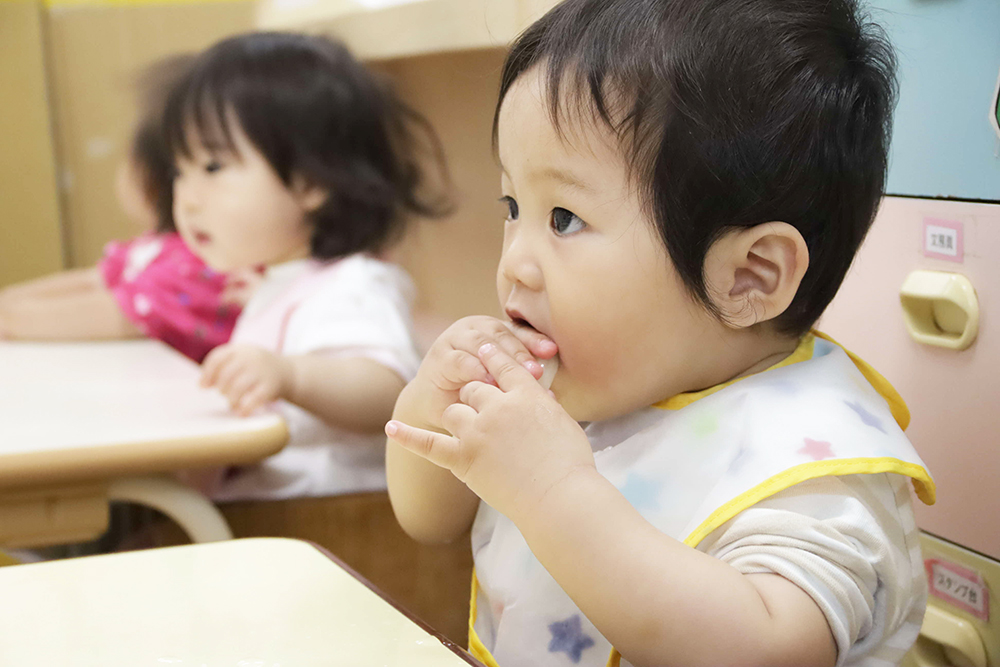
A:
x: 689, y: 465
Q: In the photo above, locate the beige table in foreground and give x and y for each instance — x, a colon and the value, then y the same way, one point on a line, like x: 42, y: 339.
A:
x: 241, y: 603
x: 83, y: 423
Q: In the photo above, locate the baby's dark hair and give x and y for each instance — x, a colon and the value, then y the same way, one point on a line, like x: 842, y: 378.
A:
x: 316, y: 113
x: 149, y: 151
x: 732, y: 113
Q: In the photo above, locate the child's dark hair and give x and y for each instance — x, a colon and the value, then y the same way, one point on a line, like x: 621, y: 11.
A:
x: 732, y: 113
x: 315, y: 112
x: 149, y: 151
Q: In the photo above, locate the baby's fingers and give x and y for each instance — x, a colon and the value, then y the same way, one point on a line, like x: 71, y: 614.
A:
x: 238, y: 387
x: 441, y: 450
x: 213, y: 365
x: 461, y: 368
x: 253, y: 400
x: 537, y: 343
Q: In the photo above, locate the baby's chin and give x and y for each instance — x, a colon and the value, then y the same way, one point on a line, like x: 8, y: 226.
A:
x: 571, y: 400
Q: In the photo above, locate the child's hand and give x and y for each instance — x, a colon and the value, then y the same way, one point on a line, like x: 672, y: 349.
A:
x: 512, y: 442
x: 452, y: 362
x: 249, y: 377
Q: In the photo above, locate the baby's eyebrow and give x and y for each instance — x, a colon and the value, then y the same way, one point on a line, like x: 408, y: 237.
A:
x: 565, y: 178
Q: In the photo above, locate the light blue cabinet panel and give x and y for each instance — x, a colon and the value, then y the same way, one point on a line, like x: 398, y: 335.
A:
x: 949, y: 61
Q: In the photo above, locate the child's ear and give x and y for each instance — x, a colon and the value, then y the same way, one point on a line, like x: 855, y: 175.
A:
x: 309, y: 195
x: 753, y: 273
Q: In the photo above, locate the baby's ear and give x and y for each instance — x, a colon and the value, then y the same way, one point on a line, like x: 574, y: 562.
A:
x: 310, y: 196
x: 753, y: 273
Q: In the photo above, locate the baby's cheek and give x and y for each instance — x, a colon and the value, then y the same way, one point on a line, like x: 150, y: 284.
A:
x: 581, y: 391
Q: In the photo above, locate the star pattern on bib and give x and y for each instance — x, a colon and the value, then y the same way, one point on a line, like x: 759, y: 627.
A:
x: 568, y: 637
x: 868, y: 418
x: 705, y: 424
x: 641, y: 492
x: 816, y: 449
x: 742, y: 456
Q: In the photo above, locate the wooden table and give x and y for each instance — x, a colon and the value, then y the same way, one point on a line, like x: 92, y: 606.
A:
x: 85, y: 423
x: 242, y: 603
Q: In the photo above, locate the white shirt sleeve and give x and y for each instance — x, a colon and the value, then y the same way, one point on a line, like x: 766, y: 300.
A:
x: 852, y: 545
x: 361, y: 310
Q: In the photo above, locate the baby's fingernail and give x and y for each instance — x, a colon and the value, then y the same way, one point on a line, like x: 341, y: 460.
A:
x: 391, y: 428
x: 487, y: 348
x: 533, y: 366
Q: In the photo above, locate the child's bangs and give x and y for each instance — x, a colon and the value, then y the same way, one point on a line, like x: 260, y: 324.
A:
x: 199, y: 115
x: 593, y: 73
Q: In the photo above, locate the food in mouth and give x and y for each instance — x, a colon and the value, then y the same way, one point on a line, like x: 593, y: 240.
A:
x: 549, y: 369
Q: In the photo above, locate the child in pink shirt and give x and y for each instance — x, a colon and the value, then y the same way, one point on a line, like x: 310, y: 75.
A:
x: 152, y: 285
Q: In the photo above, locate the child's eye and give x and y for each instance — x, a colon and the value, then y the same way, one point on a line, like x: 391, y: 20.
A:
x: 566, y: 222
x: 213, y: 166
x: 512, y: 210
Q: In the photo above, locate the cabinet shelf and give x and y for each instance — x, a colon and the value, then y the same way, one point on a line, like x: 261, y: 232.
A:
x: 412, y: 29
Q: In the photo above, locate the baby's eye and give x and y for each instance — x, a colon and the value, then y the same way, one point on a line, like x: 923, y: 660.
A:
x: 566, y: 222
x: 512, y: 210
x: 213, y: 166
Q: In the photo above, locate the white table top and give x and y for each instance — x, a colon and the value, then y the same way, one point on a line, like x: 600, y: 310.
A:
x: 76, y: 410
x: 243, y: 603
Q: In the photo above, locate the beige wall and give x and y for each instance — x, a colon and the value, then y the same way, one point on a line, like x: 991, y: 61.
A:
x: 453, y: 261
x: 95, y: 52
x: 30, y: 240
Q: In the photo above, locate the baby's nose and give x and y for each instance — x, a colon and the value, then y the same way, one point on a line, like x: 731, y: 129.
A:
x: 520, y: 266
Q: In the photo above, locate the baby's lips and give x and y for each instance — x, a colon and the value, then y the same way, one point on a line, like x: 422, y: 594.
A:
x: 549, y: 369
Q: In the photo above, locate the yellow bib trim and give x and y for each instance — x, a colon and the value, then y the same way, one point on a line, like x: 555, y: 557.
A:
x: 897, y: 405
x: 803, y: 352
x: 476, y: 646
x: 922, y: 484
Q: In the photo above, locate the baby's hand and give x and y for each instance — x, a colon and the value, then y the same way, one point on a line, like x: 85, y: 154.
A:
x: 512, y: 441
x: 452, y: 362
x: 249, y: 377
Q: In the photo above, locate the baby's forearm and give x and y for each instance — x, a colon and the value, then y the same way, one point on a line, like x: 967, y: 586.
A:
x: 54, y: 285
x: 431, y: 504
x: 660, y: 602
x: 71, y: 310
x: 353, y: 393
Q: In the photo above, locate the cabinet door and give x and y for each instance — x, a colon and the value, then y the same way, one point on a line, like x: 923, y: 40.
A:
x: 30, y: 237
x: 954, y: 396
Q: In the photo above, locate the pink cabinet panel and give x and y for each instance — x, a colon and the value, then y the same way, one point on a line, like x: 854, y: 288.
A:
x: 954, y: 397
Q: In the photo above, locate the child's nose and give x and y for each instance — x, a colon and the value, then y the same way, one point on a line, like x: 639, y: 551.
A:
x: 519, y: 265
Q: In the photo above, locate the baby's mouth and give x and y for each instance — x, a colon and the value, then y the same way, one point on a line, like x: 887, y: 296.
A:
x: 519, y: 320
x: 201, y: 238
x: 549, y: 366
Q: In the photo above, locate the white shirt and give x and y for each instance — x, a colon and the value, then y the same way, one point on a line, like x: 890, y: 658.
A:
x: 355, y: 307
x: 851, y: 543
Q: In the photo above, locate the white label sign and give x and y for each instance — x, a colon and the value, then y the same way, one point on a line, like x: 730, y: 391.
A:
x: 963, y: 588
x: 943, y: 240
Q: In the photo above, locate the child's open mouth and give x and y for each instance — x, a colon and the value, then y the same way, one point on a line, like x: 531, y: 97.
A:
x: 549, y: 366
x: 202, y: 238
x: 520, y: 320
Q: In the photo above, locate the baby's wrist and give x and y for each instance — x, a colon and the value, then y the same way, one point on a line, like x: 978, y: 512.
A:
x: 567, y: 493
x: 288, y: 378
